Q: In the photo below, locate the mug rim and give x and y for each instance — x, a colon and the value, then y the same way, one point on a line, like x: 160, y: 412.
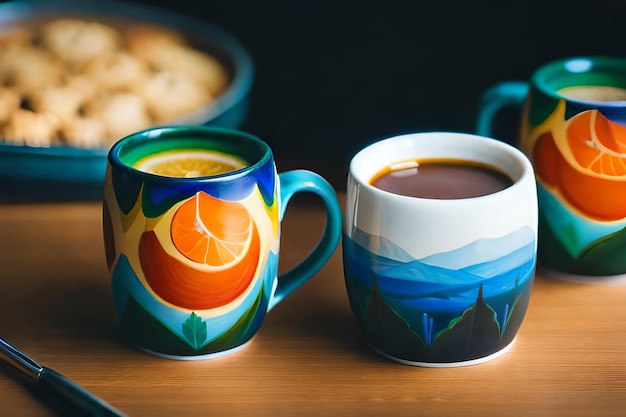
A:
x: 525, y: 165
x: 192, y: 132
x: 581, y: 66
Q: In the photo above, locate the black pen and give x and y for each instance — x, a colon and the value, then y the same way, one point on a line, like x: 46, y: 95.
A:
x: 82, y: 401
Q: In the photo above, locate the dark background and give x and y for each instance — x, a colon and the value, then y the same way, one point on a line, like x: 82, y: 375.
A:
x: 333, y: 76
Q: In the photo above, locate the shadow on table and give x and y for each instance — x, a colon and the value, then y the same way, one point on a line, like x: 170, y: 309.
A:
x: 81, y: 308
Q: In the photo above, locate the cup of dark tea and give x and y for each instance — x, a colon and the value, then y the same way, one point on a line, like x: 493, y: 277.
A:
x: 440, y: 246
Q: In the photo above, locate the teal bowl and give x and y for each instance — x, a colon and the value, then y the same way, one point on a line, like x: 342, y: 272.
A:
x: 65, y: 173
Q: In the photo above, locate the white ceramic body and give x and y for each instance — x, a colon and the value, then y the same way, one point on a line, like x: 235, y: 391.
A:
x: 440, y: 282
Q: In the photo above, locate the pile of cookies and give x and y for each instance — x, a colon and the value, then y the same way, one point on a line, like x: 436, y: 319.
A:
x: 86, y: 83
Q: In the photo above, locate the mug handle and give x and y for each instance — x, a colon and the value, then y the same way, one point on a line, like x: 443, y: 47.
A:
x: 293, y: 182
x: 497, y: 97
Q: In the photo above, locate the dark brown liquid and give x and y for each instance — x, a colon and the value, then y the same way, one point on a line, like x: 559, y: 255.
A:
x: 441, y: 179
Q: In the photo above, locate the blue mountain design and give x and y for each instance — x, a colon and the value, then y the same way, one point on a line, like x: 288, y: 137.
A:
x: 419, y: 271
x: 383, y: 247
x: 506, y: 263
x: 438, y: 303
x: 454, y: 275
x: 487, y: 250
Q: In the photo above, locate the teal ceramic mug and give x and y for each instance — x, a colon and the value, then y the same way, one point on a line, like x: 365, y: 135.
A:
x: 573, y: 128
x: 193, y: 257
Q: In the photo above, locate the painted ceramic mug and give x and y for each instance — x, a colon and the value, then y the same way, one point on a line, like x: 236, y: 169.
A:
x: 573, y: 127
x: 439, y: 282
x: 194, y: 260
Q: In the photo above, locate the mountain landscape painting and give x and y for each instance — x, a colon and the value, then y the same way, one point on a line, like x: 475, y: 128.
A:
x: 449, y: 307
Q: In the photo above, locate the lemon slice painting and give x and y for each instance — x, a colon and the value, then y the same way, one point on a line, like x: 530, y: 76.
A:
x: 189, y: 163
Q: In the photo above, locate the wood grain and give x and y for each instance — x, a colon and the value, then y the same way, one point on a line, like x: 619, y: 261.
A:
x: 569, y: 358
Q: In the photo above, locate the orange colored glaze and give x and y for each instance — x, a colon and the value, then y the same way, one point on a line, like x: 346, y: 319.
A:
x: 233, y: 270
x: 592, y: 178
x: 597, y: 144
x: 546, y: 158
x: 211, y: 231
x: 599, y: 198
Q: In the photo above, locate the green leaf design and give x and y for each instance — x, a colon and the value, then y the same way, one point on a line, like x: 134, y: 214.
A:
x: 141, y: 328
x: 552, y: 253
x: 605, y: 256
x: 517, y: 312
x: 473, y: 335
x: 390, y: 333
x: 194, y: 329
x: 244, y: 328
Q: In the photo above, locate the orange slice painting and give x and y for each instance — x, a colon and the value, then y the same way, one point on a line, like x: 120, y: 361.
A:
x: 597, y: 144
x: 211, y: 231
x: 587, y: 165
x: 221, y: 237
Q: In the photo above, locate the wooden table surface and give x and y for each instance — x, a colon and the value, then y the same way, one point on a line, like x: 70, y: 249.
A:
x: 569, y: 358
